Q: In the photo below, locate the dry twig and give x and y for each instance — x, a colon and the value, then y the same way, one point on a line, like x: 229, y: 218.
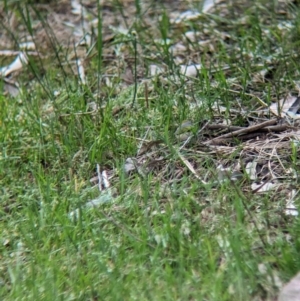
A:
x: 242, y: 131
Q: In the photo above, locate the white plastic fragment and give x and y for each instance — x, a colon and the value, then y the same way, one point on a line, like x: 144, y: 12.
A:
x: 188, y: 15
x: 291, y: 209
x: 130, y: 165
x: 77, y: 8
x: 86, y: 40
x: 17, y: 64
x: 99, y: 176
x: 27, y: 46
x: 286, y: 106
x: 119, y: 30
x: 293, y: 115
x: 290, y: 204
x: 285, y: 25
x: 81, y: 72
x: 191, y: 35
x: 105, y: 197
x: 264, y: 187
x: 163, y: 41
x: 223, y: 172
x: 105, y: 180
x: 9, y: 52
x: 191, y: 70
x: 209, y: 4
x: 228, y: 173
x: 155, y: 70
x: 251, y: 170
x: 178, y: 49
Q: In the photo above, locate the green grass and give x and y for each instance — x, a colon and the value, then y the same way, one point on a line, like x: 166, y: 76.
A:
x: 164, y: 235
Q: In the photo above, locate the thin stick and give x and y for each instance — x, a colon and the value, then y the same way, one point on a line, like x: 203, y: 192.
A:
x: 274, y: 128
x: 249, y: 129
